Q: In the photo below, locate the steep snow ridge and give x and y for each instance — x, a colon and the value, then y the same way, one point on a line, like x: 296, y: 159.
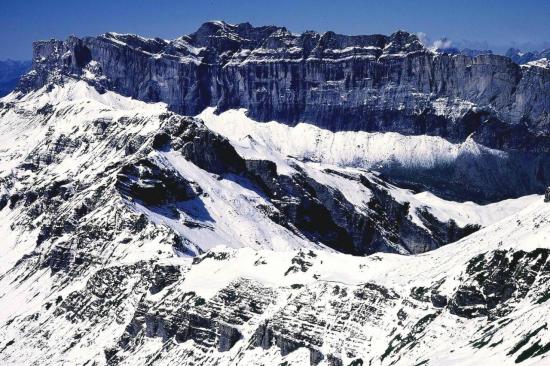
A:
x: 78, y: 90
x: 352, y: 190
x: 463, y: 213
x: 358, y: 149
x: 14, y: 243
x: 74, y: 133
x: 355, y: 153
x: 81, y: 105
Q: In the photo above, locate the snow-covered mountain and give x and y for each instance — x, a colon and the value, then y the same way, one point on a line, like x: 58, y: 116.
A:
x: 132, y: 234
x: 522, y: 58
x: 72, y: 155
x: 117, y: 288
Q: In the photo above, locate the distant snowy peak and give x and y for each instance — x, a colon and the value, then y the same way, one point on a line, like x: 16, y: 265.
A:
x: 10, y: 72
x: 522, y: 58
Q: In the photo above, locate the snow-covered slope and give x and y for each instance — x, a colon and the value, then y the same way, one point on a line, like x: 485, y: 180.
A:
x: 423, y: 161
x: 73, y: 141
x: 483, y: 300
x: 349, y: 148
x: 76, y: 138
x: 133, y: 235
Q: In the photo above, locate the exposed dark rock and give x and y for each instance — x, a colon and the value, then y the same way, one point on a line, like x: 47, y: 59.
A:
x: 399, y: 342
x: 210, y: 151
x: 152, y: 184
x: 446, y: 232
x: 438, y: 300
x: 323, y: 214
x: 495, y: 280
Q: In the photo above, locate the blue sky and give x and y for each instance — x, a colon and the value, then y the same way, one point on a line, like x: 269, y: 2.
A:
x: 497, y: 24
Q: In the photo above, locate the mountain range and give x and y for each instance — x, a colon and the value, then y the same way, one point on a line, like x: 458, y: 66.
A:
x: 249, y: 196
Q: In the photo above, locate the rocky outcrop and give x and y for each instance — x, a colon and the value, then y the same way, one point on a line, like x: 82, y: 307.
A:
x: 496, y: 280
x: 154, y: 185
x: 294, y: 315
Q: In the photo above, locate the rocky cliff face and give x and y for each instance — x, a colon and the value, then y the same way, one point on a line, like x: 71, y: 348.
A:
x: 369, y: 83
x: 337, y: 82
